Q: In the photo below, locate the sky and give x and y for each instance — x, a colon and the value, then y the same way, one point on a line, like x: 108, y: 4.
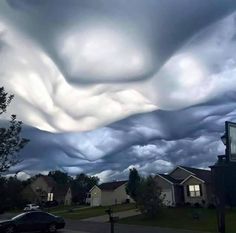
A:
x: 106, y: 85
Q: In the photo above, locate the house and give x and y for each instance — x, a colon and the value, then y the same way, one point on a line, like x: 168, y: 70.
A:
x: 186, y: 185
x: 44, y: 188
x: 110, y: 193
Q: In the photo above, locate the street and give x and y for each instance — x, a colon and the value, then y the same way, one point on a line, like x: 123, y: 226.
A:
x: 70, y: 231
x: 98, y: 227
x: 78, y: 226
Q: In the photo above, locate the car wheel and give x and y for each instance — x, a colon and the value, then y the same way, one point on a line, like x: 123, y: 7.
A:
x: 10, y: 229
x: 52, y: 227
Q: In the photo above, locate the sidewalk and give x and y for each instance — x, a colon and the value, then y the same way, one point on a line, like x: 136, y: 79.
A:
x: 105, y: 218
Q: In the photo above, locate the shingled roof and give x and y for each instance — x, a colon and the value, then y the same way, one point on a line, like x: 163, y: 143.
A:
x: 110, y: 186
x: 202, y: 174
x: 171, y: 179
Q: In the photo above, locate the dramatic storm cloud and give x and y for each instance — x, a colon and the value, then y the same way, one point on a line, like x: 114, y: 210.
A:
x: 105, y: 85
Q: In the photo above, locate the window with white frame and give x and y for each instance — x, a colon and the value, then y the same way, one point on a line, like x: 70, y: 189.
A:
x: 50, y: 196
x: 194, y: 190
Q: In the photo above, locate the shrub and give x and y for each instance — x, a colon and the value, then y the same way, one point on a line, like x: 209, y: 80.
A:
x: 149, y: 198
x: 197, y: 205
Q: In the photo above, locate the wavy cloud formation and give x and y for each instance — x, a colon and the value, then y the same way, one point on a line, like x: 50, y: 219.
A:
x: 77, y: 68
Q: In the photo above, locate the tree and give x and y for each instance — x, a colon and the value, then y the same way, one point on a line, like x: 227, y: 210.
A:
x: 133, y: 183
x: 81, y: 186
x: 11, y: 197
x: 60, y: 177
x: 10, y: 140
x: 149, y: 199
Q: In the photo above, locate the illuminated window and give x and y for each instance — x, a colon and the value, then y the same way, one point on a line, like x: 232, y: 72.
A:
x: 194, y: 190
x: 50, y: 196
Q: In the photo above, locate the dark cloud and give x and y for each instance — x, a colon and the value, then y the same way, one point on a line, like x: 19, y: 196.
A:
x: 161, y: 26
x: 154, y: 142
x: 163, y: 54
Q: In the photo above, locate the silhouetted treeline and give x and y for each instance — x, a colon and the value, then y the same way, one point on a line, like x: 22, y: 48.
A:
x: 11, y: 188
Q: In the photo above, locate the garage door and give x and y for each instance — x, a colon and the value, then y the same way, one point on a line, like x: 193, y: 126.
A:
x: 167, y: 195
x: 95, y: 201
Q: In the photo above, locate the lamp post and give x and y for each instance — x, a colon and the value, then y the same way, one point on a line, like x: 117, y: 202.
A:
x: 223, y: 173
x: 218, y: 172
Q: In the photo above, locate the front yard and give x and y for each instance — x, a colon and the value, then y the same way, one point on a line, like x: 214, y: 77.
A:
x: 87, y: 212
x: 182, y: 218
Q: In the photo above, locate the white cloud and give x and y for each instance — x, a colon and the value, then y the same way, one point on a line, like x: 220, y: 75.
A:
x: 104, y: 53
x: 44, y: 99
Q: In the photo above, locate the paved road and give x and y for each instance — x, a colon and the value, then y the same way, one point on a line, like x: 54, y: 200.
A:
x: 105, y: 218
x: 76, y: 226
x: 70, y: 231
x: 98, y: 227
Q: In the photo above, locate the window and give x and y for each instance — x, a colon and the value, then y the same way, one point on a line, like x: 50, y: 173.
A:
x: 42, y: 216
x: 50, y: 196
x: 194, y: 190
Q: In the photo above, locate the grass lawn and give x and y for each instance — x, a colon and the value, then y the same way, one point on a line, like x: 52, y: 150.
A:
x: 92, y: 211
x: 183, y: 218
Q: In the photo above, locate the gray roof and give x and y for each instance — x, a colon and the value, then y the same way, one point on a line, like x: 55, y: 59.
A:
x: 110, y: 186
x: 171, y: 179
x: 202, y: 174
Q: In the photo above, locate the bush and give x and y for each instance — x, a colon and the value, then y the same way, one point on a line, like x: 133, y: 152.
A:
x: 187, y: 204
x: 197, y: 205
x: 149, y: 198
x: 211, y: 206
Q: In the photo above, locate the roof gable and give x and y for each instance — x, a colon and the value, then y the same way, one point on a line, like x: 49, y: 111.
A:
x: 180, y: 173
x: 192, y: 176
x: 201, y: 174
x: 182, y: 168
x: 169, y: 179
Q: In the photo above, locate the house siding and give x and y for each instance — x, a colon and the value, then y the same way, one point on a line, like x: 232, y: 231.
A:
x: 163, y: 184
x: 117, y: 196
x: 193, y: 200
x: 96, y: 194
x: 108, y: 198
x: 167, y: 189
x: 68, y: 197
x: 121, y: 195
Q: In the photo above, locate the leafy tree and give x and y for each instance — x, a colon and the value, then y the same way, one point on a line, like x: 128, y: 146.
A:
x: 13, y: 187
x: 133, y: 183
x: 10, y: 140
x: 81, y: 186
x: 149, y: 198
x: 3, y: 194
x: 11, y: 198
x: 60, y: 177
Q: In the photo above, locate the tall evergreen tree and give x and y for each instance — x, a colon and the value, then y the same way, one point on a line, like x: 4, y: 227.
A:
x: 11, y: 141
x: 133, y: 183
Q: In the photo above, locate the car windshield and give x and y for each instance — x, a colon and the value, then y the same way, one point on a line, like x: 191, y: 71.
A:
x: 18, y: 216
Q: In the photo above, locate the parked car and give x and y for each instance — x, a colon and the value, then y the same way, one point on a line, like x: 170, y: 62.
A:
x: 48, y: 204
x: 31, y: 222
x: 31, y: 207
